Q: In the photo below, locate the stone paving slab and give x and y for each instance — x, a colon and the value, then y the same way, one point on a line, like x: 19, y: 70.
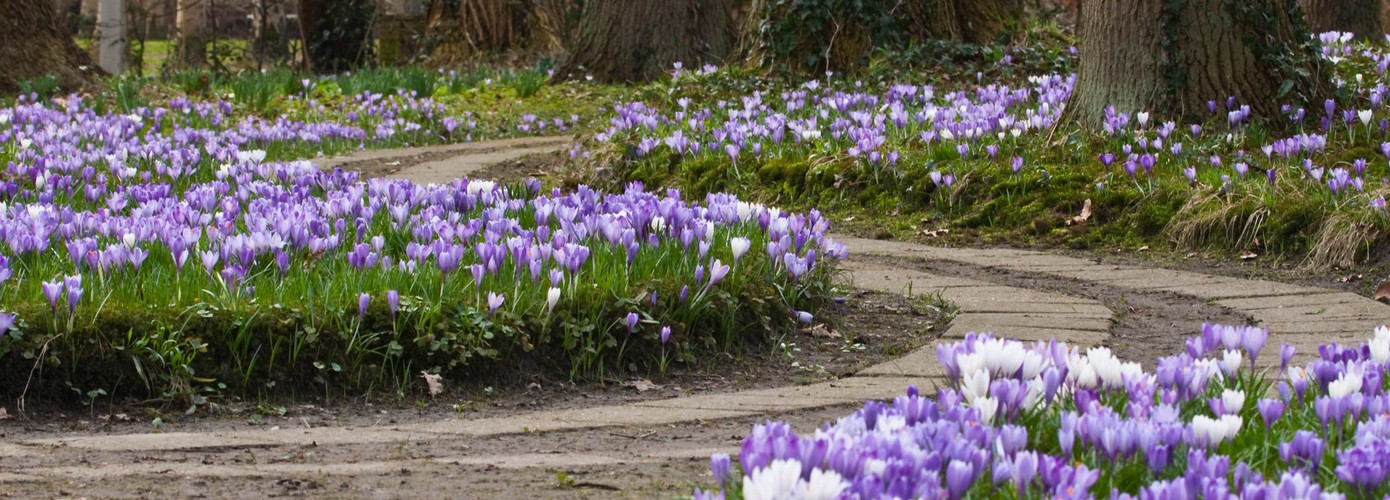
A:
x: 1081, y: 338
x: 1303, y: 301
x: 552, y: 142
x: 1005, y: 306
x: 446, y: 170
x: 739, y: 401
x: 921, y: 363
x: 1231, y: 288
x: 1045, y: 321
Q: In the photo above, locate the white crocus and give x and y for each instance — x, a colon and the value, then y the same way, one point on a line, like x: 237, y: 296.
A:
x: 739, y: 246
x: 1108, y: 367
x: 824, y: 485
x: 1213, y: 432
x: 974, y: 386
x: 1349, y: 382
x: 1034, y: 396
x: 1230, y: 362
x: 552, y: 297
x: 1379, y: 344
x: 658, y: 224
x: 1142, y: 117
x: 988, y: 407
x: 780, y: 479
x: 1365, y: 116
x: 1233, y: 401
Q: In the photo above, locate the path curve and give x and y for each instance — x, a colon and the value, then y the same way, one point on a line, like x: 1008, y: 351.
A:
x: 693, y: 427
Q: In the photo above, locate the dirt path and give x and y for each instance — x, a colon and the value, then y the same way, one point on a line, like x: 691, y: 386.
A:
x: 660, y: 447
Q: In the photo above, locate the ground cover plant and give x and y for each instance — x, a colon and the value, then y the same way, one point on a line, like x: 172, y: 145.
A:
x: 1045, y: 419
x: 1000, y: 158
x: 166, y: 250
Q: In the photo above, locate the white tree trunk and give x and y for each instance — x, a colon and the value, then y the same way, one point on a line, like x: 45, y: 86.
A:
x: 110, y: 40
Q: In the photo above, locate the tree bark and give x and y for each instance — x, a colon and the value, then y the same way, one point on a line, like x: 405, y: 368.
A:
x: 1361, y: 17
x: 638, y: 40
x: 982, y: 21
x: 475, y: 28
x: 192, y: 24
x: 1173, y: 57
x: 336, y: 33
x: 34, y: 44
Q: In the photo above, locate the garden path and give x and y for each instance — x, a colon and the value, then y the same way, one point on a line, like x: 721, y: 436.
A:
x: 661, y: 447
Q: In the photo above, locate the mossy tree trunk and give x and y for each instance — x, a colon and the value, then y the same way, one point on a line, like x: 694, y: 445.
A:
x: 1361, y: 17
x: 336, y: 33
x: 33, y: 44
x: 983, y: 21
x: 638, y: 40
x: 1172, y: 57
x: 191, y: 22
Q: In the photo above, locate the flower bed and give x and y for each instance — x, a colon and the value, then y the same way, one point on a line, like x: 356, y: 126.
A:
x: 1048, y: 420
x: 165, y: 248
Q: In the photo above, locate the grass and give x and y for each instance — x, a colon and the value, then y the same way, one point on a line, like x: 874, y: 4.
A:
x: 1295, y: 215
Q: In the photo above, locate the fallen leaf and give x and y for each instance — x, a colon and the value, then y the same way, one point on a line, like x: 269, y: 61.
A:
x: 435, y: 382
x: 1249, y: 255
x: 641, y: 384
x: 936, y: 232
x: 4, y: 415
x: 1143, y: 248
x: 1190, y: 255
x: 1382, y: 294
x: 821, y: 331
x: 849, y: 219
x: 533, y: 386
x: 1085, y: 213
x: 1353, y: 277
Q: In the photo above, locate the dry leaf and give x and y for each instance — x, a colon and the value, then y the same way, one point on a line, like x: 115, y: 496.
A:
x: 435, y: 381
x: 936, y: 232
x: 1382, y: 294
x: 1085, y: 213
x: 1353, y: 277
x: 849, y: 219
x: 1190, y: 255
x: 641, y: 384
x: 1249, y: 255
x: 821, y: 331
x: 1143, y: 248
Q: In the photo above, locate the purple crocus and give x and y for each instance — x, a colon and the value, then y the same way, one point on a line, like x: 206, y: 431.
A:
x: 494, y: 301
x: 362, y: 301
x: 959, y: 477
x: 631, y: 322
x: 53, y: 290
x: 665, y: 334
x: 73, y: 285
x: 1270, y: 411
x: 721, y: 465
x: 393, y: 301
x: 6, y: 322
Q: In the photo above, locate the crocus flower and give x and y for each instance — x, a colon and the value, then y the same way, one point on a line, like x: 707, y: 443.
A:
x: 6, y: 322
x: 73, y: 285
x: 1270, y: 411
x: 393, y: 301
x: 665, y: 334
x: 53, y: 290
x: 494, y: 301
x: 552, y: 297
x: 631, y: 322
x: 362, y: 301
x: 721, y: 465
x: 738, y: 246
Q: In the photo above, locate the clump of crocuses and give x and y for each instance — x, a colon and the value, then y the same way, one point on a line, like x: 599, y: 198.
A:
x: 1048, y: 420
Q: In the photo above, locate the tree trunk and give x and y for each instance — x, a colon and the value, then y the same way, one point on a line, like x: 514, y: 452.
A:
x: 336, y: 33
x: 1361, y: 17
x: 1154, y: 55
x: 34, y: 44
x: 192, y: 24
x: 982, y: 21
x: 477, y: 27
x: 548, y: 23
x: 938, y: 19
x: 638, y: 40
